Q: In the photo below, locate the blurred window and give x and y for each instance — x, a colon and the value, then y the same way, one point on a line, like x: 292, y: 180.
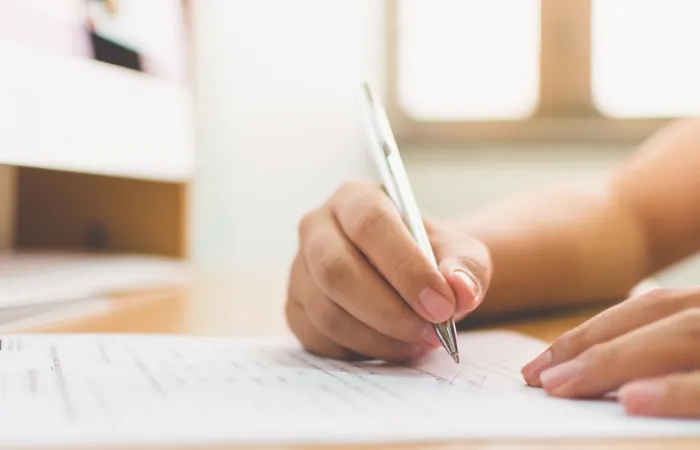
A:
x: 644, y: 57
x: 457, y: 58
x: 470, y: 70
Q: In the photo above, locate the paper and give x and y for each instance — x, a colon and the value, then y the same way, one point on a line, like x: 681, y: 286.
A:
x: 23, y: 318
x: 37, y: 278
x: 169, y: 390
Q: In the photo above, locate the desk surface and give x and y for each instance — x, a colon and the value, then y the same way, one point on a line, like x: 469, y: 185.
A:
x: 248, y: 304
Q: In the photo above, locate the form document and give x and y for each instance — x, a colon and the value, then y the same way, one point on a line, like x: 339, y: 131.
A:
x: 161, y: 389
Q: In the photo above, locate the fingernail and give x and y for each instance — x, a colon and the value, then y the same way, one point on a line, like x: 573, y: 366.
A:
x: 436, y: 305
x: 532, y: 370
x: 430, y: 337
x: 561, y: 374
x: 471, y: 283
x: 642, y: 396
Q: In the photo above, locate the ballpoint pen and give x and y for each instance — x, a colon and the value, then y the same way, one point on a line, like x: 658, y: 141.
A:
x: 385, y: 153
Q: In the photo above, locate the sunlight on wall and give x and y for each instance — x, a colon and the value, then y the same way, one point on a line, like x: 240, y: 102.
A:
x: 457, y: 58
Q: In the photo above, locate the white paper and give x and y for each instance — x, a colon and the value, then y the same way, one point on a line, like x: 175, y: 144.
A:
x: 141, y: 389
x: 23, y: 318
x: 38, y: 278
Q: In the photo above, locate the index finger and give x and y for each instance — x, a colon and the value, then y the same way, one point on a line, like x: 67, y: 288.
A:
x: 609, y: 324
x: 372, y: 222
x: 660, y: 348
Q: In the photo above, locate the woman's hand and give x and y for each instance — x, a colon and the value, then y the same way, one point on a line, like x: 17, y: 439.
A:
x: 361, y: 288
x: 648, y: 347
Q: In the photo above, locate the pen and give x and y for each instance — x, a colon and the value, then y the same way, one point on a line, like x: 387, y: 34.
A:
x: 385, y: 153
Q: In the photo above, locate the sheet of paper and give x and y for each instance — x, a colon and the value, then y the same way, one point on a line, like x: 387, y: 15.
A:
x: 127, y: 389
x: 44, y: 277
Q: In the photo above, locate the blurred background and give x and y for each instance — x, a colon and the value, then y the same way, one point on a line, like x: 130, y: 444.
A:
x: 486, y: 98
x: 251, y: 106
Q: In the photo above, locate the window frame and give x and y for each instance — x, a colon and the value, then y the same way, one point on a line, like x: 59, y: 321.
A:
x: 565, y: 110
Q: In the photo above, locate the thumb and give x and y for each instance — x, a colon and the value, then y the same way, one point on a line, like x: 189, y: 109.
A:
x: 468, y: 273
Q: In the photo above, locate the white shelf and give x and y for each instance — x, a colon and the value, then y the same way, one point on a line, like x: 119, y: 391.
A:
x: 71, y: 113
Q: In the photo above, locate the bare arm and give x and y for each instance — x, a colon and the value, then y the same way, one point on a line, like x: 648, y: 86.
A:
x: 359, y: 286
x: 567, y: 246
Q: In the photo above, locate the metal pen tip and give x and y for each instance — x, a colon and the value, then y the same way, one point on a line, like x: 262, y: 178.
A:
x: 455, y: 356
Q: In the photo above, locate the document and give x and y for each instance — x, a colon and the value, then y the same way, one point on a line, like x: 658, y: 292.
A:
x: 60, y: 390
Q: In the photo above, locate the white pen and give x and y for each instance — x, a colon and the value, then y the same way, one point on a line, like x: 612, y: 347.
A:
x: 385, y: 153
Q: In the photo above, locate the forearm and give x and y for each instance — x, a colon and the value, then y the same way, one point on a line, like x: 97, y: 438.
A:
x: 558, y: 248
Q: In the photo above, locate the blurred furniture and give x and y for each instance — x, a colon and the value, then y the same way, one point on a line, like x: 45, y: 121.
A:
x: 96, y: 128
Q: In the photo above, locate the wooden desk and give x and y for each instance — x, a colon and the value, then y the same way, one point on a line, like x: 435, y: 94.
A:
x: 248, y: 304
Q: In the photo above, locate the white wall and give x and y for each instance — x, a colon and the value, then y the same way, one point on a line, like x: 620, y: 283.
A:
x: 278, y: 127
x: 278, y: 130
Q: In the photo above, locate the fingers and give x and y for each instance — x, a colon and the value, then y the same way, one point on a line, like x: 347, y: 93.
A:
x: 609, y: 324
x: 329, y: 330
x: 676, y: 395
x: 666, y: 346
x: 360, y: 285
x: 335, y: 270
x: 310, y: 338
x: 371, y: 221
x: 466, y: 288
x: 466, y: 265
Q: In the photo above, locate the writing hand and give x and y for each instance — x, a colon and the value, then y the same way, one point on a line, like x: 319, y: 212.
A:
x: 647, y: 346
x: 360, y: 287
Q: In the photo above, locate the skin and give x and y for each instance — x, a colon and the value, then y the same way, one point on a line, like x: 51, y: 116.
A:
x: 359, y: 287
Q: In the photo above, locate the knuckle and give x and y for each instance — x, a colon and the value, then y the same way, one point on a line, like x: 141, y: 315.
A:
x: 328, y: 316
x: 571, y: 343
x: 365, y: 220
x: 410, y: 268
x: 332, y: 268
x: 658, y: 295
x: 657, y: 300
x: 603, y: 355
x: 666, y: 302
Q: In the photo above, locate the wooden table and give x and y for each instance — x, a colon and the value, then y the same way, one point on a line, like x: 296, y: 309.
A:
x: 250, y: 304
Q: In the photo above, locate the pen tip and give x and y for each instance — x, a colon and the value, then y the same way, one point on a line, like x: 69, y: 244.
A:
x: 455, y: 356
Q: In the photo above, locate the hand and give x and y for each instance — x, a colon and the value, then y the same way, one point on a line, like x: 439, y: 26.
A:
x: 648, y: 347
x: 360, y: 288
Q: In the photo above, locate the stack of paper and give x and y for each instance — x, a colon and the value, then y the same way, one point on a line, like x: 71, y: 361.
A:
x: 43, y: 287
x: 130, y: 389
x: 37, y: 278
